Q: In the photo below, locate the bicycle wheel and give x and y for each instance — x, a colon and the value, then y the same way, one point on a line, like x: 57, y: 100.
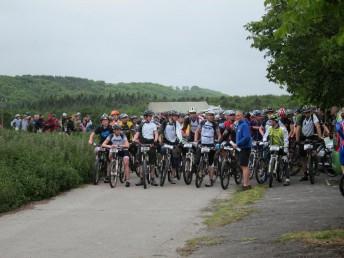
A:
x: 164, y: 171
x: 225, y: 175
x: 341, y: 185
x: 237, y: 173
x: 200, y: 173
x: 144, y: 173
x: 280, y: 171
x: 187, y: 175
x: 311, y: 169
x: 271, y: 169
x: 114, y: 167
x: 261, y: 171
x: 121, y: 170
x: 251, y: 164
x: 96, y: 172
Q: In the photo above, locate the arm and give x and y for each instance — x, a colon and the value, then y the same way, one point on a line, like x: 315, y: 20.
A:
x: 91, y: 139
x: 286, y: 138
x: 136, y: 137
x: 266, y: 135
x: 106, y: 143
x: 261, y: 130
x: 197, y: 134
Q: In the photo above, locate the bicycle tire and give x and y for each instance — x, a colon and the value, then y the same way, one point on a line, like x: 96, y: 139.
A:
x: 96, y: 172
x: 199, y: 174
x: 237, y: 173
x: 144, y: 173
x: 225, y: 175
x: 113, y: 174
x: 341, y: 185
x: 271, y: 168
x: 311, y: 169
x: 187, y: 174
x: 163, y: 172
x: 261, y: 171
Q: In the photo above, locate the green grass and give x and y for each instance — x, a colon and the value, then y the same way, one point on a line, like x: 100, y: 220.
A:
x: 233, y: 208
x: 38, y: 166
x: 194, y: 244
x: 333, y: 237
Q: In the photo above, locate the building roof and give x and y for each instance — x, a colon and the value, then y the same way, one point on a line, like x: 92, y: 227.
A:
x: 178, y: 106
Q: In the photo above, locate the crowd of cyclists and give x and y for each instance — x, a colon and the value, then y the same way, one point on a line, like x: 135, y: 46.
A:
x: 266, y: 144
x: 269, y: 144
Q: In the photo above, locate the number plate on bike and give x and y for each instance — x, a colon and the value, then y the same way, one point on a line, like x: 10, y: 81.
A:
x: 308, y: 147
x: 274, y: 148
x: 228, y: 148
x: 188, y: 145
x: 145, y: 148
x: 114, y: 151
x: 205, y: 149
x: 166, y: 146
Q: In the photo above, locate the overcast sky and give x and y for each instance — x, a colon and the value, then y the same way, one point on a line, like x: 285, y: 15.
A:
x: 172, y: 42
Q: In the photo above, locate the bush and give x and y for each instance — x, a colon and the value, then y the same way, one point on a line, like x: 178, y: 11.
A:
x: 38, y: 166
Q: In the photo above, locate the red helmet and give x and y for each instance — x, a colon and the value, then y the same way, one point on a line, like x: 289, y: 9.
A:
x: 114, y: 113
x: 282, y: 112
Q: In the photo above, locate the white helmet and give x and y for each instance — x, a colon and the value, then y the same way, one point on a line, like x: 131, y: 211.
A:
x: 210, y: 112
x: 192, y: 110
x: 64, y: 114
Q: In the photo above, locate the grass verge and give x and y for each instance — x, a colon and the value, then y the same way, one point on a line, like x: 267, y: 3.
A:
x: 194, y: 244
x: 235, y: 208
x: 333, y: 237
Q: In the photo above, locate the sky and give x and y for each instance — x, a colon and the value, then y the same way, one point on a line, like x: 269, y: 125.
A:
x: 171, y: 42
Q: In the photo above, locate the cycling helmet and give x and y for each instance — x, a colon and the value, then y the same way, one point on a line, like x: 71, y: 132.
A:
x: 104, y: 117
x: 192, y: 110
x: 148, y: 113
x: 282, y: 112
x: 123, y: 116
x: 114, y: 113
x: 133, y: 117
x: 257, y: 113
x: 269, y: 110
x: 117, y: 127
x: 274, y: 117
x: 229, y: 112
x: 174, y: 113
x: 78, y: 114
x: 64, y: 114
x: 306, y: 109
x: 17, y: 115
x: 210, y: 112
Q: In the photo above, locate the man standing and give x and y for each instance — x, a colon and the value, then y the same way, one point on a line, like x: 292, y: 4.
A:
x: 244, y: 142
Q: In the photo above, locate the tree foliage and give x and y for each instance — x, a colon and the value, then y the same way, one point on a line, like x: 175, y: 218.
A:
x: 303, y: 41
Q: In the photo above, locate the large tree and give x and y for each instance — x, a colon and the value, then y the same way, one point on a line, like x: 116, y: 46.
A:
x: 303, y: 41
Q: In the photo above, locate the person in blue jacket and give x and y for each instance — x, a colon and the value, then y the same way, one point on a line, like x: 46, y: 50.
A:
x: 244, y: 142
x: 340, y: 131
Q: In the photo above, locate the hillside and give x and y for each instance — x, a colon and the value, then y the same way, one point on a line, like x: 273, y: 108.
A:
x: 31, y: 89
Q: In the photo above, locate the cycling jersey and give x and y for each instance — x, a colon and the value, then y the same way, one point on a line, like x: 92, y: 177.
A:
x: 127, y: 127
x: 117, y: 139
x: 277, y: 136
x: 169, y: 132
x: 103, y: 133
x: 147, y: 130
x: 208, y: 131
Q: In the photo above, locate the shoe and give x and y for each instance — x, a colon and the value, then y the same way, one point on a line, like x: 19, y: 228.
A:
x: 287, y: 182
x: 139, y: 183
x: 245, y: 188
x: 106, y: 180
x: 304, y: 178
x: 210, y: 184
x: 127, y: 184
x: 153, y: 183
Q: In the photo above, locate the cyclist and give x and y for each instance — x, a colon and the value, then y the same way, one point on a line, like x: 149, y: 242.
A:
x: 104, y: 130
x: 256, y: 122
x: 278, y: 135
x: 169, y: 135
x: 127, y: 126
x: 229, y: 126
x: 192, y: 122
x: 207, y: 132
x: 147, y: 133
x: 114, y: 116
x: 308, y: 127
x: 119, y: 139
x: 340, y: 131
x: 266, y: 121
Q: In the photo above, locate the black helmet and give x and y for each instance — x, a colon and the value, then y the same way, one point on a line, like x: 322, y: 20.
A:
x: 269, y: 110
x: 116, y: 126
x: 148, y: 113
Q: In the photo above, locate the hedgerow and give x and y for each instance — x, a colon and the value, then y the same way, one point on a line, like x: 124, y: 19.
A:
x: 38, y: 166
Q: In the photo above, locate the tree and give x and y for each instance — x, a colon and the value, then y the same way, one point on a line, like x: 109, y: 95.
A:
x: 303, y: 41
